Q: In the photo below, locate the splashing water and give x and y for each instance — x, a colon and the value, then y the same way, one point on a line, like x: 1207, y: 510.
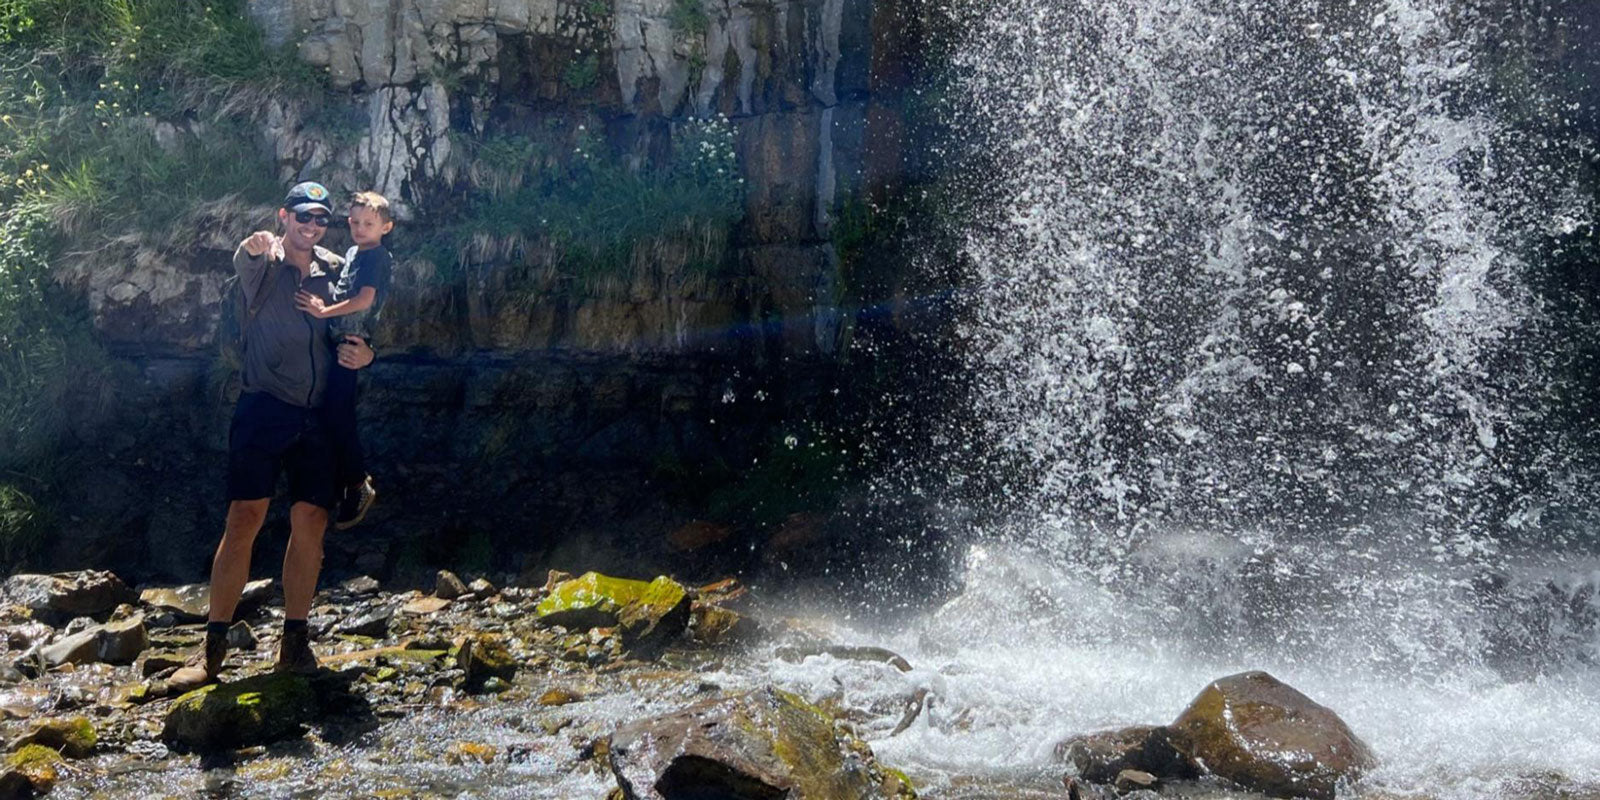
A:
x: 1258, y: 372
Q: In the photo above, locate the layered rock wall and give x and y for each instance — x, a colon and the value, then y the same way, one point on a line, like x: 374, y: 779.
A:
x: 514, y: 401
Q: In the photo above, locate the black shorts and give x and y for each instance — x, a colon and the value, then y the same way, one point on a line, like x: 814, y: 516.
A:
x: 268, y: 436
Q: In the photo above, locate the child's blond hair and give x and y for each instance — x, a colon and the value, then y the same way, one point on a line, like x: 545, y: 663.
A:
x: 377, y: 202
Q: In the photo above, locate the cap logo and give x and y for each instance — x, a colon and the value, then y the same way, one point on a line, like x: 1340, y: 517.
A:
x: 316, y: 192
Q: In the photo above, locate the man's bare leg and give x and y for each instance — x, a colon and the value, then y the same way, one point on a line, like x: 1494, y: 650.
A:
x: 302, y: 563
x: 230, y: 567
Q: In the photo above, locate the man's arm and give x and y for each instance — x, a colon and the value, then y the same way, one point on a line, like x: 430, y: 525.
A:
x: 251, y: 260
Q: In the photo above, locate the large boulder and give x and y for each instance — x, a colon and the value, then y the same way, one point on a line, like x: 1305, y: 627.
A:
x: 1100, y: 757
x: 65, y: 595
x: 1264, y: 735
x: 256, y: 710
x: 762, y: 745
x: 650, y: 614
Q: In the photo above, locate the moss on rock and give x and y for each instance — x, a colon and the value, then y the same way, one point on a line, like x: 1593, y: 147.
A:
x: 650, y: 614
x: 39, y: 764
x: 253, y: 711
x: 74, y: 737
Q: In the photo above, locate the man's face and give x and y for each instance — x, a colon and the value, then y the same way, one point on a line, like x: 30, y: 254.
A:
x: 302, y: 236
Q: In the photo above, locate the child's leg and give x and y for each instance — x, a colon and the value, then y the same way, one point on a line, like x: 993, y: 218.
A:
x: 339, y: 415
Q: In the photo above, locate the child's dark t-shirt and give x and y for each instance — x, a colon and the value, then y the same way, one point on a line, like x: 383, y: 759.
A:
x: 363, y: 268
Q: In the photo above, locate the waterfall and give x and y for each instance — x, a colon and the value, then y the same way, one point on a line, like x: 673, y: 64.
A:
x: 1262, y: 376
x: 1250, y: 260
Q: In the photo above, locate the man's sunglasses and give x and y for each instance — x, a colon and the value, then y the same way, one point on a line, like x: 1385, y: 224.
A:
x: 321, y: 220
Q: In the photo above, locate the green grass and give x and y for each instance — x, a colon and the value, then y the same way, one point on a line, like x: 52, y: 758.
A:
x: 22, y: 529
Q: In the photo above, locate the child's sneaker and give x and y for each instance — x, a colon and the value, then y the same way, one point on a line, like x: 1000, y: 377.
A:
x: 353, y: 508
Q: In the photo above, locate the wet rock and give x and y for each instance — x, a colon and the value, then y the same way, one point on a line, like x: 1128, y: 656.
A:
x: 470, y: 753
x: 39, y: 764
x: 724, y: 593
x: 447, y: 586
x: 483, y: 588
x: 15, y: 786
x: 484, y: 657
x: 188, y: 603
x: 650, y: 615
x: 68, y: 594
x: 713, y: 625
x: 1132, y: 780
x: 797, y: 654
x: 1265, y: 736
x: 762, y: 745
x: 241, y: 637
x: 112, y: 643
x: 1100, y: 757
x: 73, y: 737
x: 558, y: 697
x: 256, y: 710
x: 423, y: 606
x: 360, y: 586
x: 25, y: 635
x: 373, y: 622
x: 192, y: 602
x: 157, y: 663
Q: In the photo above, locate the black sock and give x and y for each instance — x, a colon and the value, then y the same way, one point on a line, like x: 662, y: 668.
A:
x: 217, y: 630
x: 294, y: 625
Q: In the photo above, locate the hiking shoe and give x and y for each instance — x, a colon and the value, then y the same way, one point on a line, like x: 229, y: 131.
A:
x: 353, y: 508
x: 294, y: 654
x: 203, y: 667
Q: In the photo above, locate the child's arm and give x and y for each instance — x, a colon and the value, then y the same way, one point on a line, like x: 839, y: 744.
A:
x: 313, y: 305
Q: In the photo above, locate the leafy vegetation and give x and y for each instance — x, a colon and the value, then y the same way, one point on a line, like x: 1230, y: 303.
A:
x: 564, y: 190
x: 689, y: 17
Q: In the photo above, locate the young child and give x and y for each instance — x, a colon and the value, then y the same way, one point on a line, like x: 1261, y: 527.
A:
x: 358, y: 295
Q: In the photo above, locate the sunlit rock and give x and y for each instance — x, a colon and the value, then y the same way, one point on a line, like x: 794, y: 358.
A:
x: 69, y: 594
x: 762, y: 745
x: 113, y: 643
x: 252, y: 711
x: 650, y: 615
x: 39, y: 764
x: 73, y: 737
x: 1264, y: 735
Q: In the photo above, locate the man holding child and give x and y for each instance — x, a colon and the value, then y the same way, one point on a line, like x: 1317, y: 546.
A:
x: 278, y: 424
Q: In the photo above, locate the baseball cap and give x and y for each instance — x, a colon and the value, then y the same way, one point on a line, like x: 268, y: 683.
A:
x: 307, y: 196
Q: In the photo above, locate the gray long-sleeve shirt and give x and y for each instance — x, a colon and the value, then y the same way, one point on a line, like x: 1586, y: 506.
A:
x: 286, y: 351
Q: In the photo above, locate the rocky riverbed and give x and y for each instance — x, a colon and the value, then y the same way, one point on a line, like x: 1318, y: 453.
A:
x: 584, y: 687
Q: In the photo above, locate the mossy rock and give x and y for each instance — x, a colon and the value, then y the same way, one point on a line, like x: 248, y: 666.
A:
x: 256, y: 710
x: 650, y: 614
x: 484, y: 657
x: 39, y: 764
x: 1264, y: 735
x: 73, y: 737
x: 764, y: 744
x: 591, y: 600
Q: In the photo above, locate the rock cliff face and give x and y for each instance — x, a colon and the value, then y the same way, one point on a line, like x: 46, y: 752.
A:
x: 518, y: 406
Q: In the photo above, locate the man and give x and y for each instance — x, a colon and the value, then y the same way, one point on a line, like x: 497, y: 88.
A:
x: 276, y: 426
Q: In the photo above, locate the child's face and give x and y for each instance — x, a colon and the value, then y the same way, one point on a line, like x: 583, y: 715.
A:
x: 366, y: 227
